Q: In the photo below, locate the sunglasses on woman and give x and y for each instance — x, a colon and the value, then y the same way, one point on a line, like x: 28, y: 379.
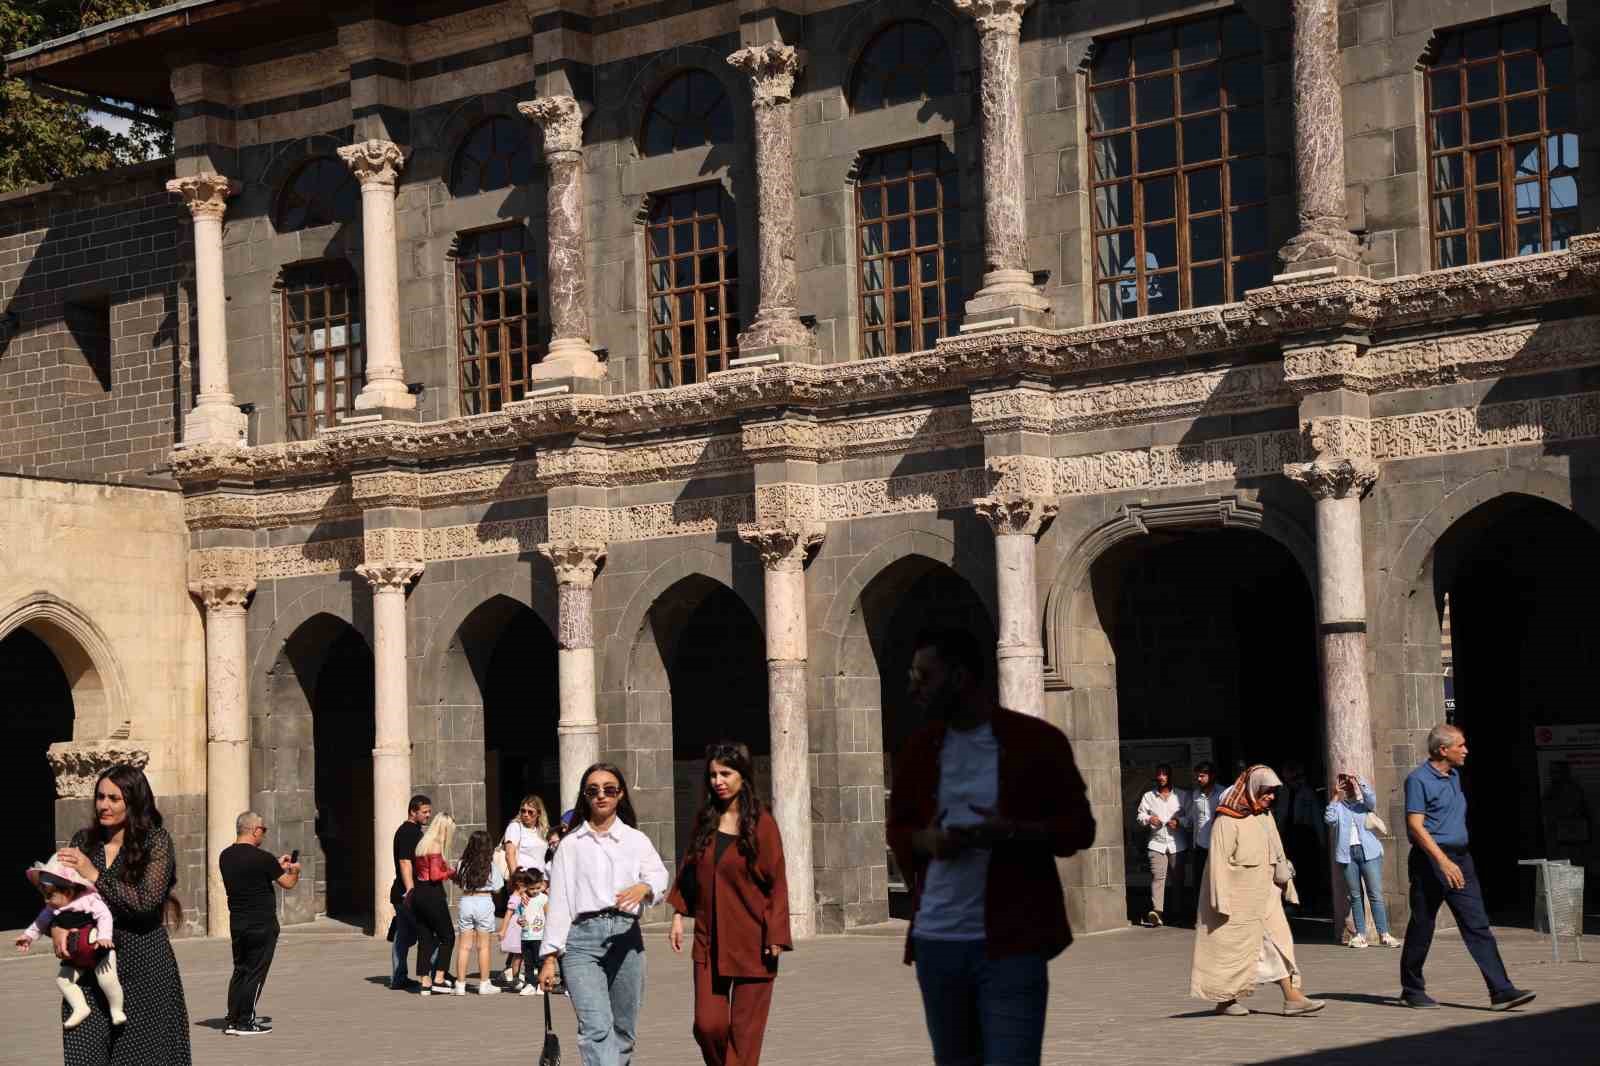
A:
x: 608, y: 791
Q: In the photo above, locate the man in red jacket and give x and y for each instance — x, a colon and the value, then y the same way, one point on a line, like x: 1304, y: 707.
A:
x: 984, y: 801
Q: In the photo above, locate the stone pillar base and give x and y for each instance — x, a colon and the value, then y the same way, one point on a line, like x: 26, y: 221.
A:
x: 569, y: 357
x: 1008, y: 294
x: 218, y: 422
x: 385, y: 396
x: 756, y: 354
x: 1320, y: 254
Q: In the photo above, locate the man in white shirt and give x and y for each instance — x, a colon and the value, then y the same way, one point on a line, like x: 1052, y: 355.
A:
x: 1164, y: 812
x: 1202, y: 809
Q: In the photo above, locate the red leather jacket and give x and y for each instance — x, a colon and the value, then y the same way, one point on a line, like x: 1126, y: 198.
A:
x: 430, y: 868
x: 1024, y: 910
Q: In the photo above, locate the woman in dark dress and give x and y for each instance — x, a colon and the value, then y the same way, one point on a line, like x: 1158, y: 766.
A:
x: 132, y: 861
x: 734, y: 885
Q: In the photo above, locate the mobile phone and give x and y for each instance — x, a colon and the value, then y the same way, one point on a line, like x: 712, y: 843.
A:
x: 294, y: 856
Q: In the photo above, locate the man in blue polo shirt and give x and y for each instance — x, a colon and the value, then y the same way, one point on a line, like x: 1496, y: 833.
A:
x: 1441, y: 871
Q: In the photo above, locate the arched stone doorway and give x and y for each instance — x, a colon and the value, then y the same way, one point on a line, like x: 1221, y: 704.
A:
x: 39, y: 712
x: 313, y: 746
x: 502, y: 687
x: 1521, y: 579
x: 698, y: 674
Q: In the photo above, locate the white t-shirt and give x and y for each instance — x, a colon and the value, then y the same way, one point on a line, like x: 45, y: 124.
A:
x: 953, y: 896
x: 530, y: 845
x: 533, y: 917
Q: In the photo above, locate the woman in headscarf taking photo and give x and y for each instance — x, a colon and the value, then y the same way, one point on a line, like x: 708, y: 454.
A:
x: 1242, y: 938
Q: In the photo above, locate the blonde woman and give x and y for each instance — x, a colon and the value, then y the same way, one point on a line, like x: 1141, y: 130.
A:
x: 522, y: 846
x: 436, y: 934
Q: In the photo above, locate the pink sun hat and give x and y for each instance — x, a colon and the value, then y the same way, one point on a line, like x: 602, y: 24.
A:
x: 54, y: 871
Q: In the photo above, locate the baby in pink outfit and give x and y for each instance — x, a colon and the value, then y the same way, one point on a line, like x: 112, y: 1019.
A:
x: 71, y: 903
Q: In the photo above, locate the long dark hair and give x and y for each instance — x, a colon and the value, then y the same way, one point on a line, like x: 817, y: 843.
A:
x: 476, y: 858
x: 143, y: 818
x: 736, y: 757
x: 580, y: 806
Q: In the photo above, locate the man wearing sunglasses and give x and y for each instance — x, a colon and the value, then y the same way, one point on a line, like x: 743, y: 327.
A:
x: 248, y: 875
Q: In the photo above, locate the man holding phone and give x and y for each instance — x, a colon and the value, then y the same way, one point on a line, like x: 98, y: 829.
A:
x: 248, y: 874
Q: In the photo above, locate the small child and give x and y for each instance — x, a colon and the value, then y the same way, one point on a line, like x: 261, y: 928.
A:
x: 71, y: 902
x: 532, y: 919
x: 511, y: 928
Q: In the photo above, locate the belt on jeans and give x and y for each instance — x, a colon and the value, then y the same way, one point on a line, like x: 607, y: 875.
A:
x: 609, y: 912
x: 465, y: 894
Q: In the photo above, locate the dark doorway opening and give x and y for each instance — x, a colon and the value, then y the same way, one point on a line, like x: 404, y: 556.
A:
x: 343, y: 737
x: 1521, y: 578
x: 39, y: 713
x: 521, y: 706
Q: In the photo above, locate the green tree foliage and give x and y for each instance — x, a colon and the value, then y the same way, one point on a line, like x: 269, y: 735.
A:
x: 42, y: 139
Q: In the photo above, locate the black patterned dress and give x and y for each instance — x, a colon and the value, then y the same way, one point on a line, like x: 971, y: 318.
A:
x: 157, y: 1030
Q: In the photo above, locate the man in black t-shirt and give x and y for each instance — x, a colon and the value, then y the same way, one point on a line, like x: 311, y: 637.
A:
x: 248, y: 874
x: 403, y: 934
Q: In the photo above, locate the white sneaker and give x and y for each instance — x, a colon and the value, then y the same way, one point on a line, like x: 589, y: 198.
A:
x: 1358, y: 941
x: 487, y: 989
x: 505, y: 975
x: 460, y: 989
x: 1388, y: 941
x: 528, y: 990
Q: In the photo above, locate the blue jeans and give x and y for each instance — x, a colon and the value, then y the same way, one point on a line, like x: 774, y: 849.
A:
x: 1428, y: 891
x: 981, y: 1010
x: 1362, y: 869
x: 603, y: 968
x: 405, y: 938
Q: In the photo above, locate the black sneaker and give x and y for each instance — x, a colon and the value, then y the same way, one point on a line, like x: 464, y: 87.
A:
x: 252, y: 1028
x: 1511, y: 997
x: 1419, y: 1001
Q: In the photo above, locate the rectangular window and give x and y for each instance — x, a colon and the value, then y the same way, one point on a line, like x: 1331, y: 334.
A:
x: 324, y: 365
x: 497, y: 317
x: 692, y: 266
x: 1178, y: 182
x: 908, y: 220
x: 1502, y: 142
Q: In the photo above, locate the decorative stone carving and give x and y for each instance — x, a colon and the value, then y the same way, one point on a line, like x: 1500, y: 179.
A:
x: 1500, y: 425
x: 703, y: 515
x: 374, y: 162
x: 1162, y: 399
x: 579, y: 525
x: 1222, y: 459
x: 386, y: 488
x: 1017, y: 516
x: 392, y: 545
x: 511, y: 537
x: 215, y: 597
x: 1323, y: 367
x: 1012, y: 410
x: 390, y: 576
x: 206, y: 194
x: 1020, y: 476
x: 941, y: 490
x: 783, y: 547
x: 1319, y: 140
x: 772, y: 68
x: 561, y: 119
x: 569, y: 354
x: 78, y: 764
x: 574, y: 563
x: 1335, y: 479
x: 222, y: 566
x: 315, y: 557
x: 1340, y: 436
x: 783, y: 438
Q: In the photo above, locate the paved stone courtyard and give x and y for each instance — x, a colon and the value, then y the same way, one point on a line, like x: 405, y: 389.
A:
x: 1116, y: 998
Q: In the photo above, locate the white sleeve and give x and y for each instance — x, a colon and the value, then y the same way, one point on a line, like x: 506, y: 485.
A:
x: 558, y: 909
x: 652, y: 871
x: 1142, y: 815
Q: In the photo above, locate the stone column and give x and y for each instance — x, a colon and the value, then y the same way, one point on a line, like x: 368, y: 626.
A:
x: 227, y: 731
x: 1324, y: 238
x: 216, y: 418
x: 772, y: 68
x: 391, y: 752
x: 1008, y: 288
x: 783, y: 551
x: 1017, y: 524
x: 578, y: 725
x: 377, y: 164
x: 570, y: 353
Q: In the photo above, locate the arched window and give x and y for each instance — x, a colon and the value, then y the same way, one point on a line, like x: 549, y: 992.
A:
x: 907, y: 61
x: 321, y: 192
x: 324, y: 362
x: 690, y: 110
x: 1502, y: 141
x: 497, y: 155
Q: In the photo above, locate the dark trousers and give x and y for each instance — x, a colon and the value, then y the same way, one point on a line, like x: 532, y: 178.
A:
x: 982, y: 1011
x: 436, y: 933
x: 730, y: 1016
x: 405, y: 938
x: 252, y: 957
x: 1428, y: 890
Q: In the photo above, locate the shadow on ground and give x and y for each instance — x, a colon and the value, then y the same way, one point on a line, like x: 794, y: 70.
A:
x: 1566, y: 1034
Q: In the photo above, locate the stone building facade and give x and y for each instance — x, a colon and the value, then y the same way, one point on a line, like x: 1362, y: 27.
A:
x: 1196, y: 354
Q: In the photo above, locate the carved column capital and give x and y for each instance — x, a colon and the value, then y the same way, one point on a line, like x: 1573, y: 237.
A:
x: 574, y: 562
x: 222, y: 597
x: 560, y: 118
x: 1334, y: 478
x: 1017, y: 516
x: 994, y: 16
x: 783, y: 547
x: 205, y: 195
x: 772, y: 68
x: 374, y: 162
x: 391, y: 576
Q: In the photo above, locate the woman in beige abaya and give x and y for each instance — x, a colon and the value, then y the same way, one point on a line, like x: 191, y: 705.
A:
x: 1242, y: 937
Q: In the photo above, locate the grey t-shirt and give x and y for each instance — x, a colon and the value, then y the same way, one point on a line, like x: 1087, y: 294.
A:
x: 953, y: 895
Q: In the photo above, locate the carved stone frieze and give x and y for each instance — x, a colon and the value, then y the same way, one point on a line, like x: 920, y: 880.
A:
x: 1498, y: 425
x: 392, y: 544
x: 904, y: 431
x: 313, y: 557
x: 1011, y: 410
x: 220, y: 510
x: 787, y: 504
x: 1020, y: 476
x: 516, y: 536
x: 1222, y: 459
x: 580, y: 464
x: 1017, y: 516
x: 633, y: 464
x: 580, y: 525
x: 1345, y: 437
x: 222, y: 566
x: 1334, y: 478
x: 783, y: 438
x: 783, y: 547
x: 940, y: 490
x: 703, y: 515
x: 78, y: 764
x: 386, y: 488
x: 1206, y: 392
x: 1341, y: 365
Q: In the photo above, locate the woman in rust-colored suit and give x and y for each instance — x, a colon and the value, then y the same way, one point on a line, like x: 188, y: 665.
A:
x: 732, y: 883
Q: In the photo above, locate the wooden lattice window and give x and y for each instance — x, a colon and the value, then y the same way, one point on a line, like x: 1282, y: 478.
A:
x: 497, y: 155
x: 693, y: 274
x: 1502, y: 142
x: 497, y: 317
x: 324, y: 365
x: 906, y: 62
x: 908, y: 218
x: 1177, y: 141
x: 320, y: 193
x: 691, y: 110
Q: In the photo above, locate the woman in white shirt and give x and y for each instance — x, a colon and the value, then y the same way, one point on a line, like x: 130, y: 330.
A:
x: 524, y: 839
x: 603, y: 875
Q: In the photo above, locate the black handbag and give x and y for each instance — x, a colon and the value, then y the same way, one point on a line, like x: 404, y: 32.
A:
x: 551, y: 1056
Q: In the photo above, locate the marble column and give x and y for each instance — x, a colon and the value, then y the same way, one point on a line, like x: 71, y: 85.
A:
x: 783, y: 551
x: 1324, y: 238
x: 1008, y: 287
x: 570, y: 353
x: 391, y: 752
x: 377, y: 165
x: 1017, y: 524
x: 227, y: 731
x: 216, y: 418
x: 578, y: 724
x: 772, y: 68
